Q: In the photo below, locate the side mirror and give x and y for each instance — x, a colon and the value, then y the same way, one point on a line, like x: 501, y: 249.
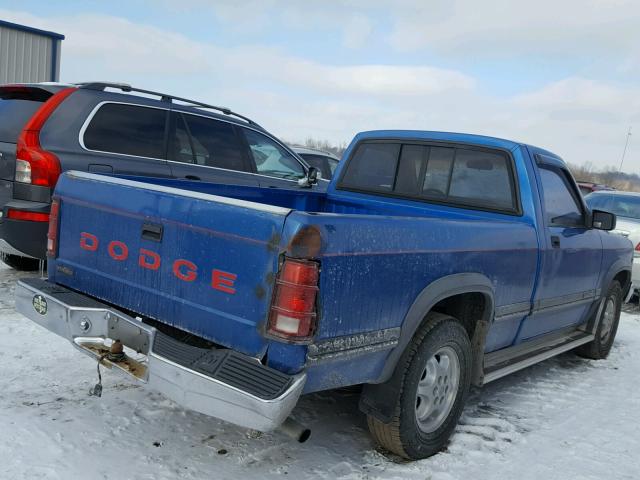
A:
x: 310, y: 179
x: 603, y: 220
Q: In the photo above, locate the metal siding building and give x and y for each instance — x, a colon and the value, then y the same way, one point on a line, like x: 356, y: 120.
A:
x: 28, y: 54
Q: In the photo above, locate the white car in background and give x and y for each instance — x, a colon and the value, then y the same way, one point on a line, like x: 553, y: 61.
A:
x: 626, y: 206
x: 325, y: 162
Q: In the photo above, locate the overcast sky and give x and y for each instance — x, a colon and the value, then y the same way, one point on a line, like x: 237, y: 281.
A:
x: 561, y: 74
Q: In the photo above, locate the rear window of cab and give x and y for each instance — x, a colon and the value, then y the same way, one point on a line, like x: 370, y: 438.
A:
x: 454, y: 175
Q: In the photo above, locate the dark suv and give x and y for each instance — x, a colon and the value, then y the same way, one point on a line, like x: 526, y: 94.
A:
x: 116, y: 129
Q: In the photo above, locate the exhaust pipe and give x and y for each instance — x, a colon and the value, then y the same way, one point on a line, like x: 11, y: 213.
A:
x: 295, y: 430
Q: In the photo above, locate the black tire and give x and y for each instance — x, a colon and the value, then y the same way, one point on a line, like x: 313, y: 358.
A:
x: 403, y: 435
x: 24, y: 264
x: 606, y: 331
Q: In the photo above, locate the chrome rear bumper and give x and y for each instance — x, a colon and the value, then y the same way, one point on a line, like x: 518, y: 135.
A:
x: 220, y: 383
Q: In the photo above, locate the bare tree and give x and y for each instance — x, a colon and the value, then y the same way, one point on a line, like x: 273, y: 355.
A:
x: 609, y: 176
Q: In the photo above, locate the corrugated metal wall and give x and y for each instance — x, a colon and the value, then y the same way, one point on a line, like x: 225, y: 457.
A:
x: 26, y: 57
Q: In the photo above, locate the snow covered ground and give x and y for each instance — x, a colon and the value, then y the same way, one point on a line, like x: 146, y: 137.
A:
x: 567, y: 418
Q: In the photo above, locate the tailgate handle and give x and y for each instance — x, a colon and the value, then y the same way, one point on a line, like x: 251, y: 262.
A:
x: 152, y: 231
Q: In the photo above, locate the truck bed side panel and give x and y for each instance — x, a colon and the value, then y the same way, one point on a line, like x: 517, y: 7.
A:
x: 373, y: 268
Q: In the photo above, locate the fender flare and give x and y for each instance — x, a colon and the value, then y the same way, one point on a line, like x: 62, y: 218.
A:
x: 620, y: 266
x: 374, y: 396
x: 436, y: 291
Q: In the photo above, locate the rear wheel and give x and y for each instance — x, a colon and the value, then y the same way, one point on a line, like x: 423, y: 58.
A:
x: 435, y: 377
x: 605, y: 334
x: 17, y: 262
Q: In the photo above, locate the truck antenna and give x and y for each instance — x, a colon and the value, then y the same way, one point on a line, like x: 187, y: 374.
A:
x: 624, y: 152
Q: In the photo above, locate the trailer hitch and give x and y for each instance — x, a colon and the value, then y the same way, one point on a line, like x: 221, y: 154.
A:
x: 115, y: 354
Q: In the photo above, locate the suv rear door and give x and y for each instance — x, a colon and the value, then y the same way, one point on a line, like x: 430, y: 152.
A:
x: 122, y: 138
x: 207, y: 149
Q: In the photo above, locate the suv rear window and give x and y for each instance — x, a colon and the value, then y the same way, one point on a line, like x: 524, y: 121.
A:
x: 462, y: 176
x: 128, y: 130
x: 16, y: 108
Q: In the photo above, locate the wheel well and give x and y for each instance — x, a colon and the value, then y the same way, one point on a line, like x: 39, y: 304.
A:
x: 467, y: 308
x: 473, y: 311
x: 624, y: 277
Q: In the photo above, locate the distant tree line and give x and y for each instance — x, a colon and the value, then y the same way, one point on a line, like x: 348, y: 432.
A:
x: 323, y: 145
x: 608, y: 176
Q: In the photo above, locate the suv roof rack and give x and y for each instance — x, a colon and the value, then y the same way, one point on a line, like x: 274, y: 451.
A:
x: 125, y: 87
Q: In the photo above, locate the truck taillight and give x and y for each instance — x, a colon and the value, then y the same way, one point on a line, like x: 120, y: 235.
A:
x: 636, y: 251
x: 34, y: 164
x: 293, y: 310
x: 52, y: 233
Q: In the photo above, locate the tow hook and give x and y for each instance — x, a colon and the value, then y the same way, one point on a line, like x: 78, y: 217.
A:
x: 115, y: 354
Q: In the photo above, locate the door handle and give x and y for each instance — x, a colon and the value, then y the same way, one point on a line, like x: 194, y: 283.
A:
x: 192, y: 177
x: 555, y: 241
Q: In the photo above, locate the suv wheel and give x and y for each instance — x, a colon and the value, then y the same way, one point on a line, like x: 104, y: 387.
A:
x: 17, y: 262
x: 435, y: 375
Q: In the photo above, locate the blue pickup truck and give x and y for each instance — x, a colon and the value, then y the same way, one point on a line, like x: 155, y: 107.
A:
x: 433, y: 262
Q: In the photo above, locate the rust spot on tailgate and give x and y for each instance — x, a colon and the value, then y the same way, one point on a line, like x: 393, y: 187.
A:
x: 273, y: 245
x: 260, y: 292
x: 270, y: 278
x: 306, y: 243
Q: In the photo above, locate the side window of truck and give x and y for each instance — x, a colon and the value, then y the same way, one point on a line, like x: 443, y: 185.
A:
x: 128, y: 130
x: 560, y: 204
x: 453, y: 175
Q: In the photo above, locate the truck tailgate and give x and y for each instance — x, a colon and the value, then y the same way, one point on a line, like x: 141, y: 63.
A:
x: 201, y: 263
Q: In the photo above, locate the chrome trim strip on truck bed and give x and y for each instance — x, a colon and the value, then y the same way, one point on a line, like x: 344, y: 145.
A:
x: 263, y: 207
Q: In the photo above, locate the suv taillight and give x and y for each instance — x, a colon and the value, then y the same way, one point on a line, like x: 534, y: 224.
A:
x: 293, y: 310
x: 34, y: 164
x: 52, y: 233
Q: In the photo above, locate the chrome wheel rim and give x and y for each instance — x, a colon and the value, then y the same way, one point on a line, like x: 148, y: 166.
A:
x: 437, y: 389
x: 608, y: 318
